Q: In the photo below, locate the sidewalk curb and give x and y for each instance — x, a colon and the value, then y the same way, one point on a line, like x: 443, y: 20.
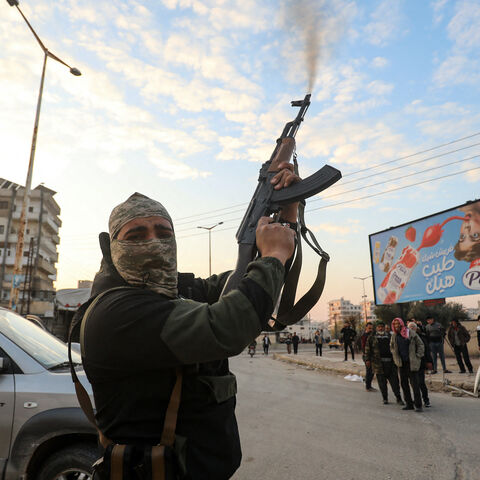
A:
x: 433, y: 385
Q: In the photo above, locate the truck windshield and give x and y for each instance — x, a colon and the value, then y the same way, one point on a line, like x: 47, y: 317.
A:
x: 46, y: 349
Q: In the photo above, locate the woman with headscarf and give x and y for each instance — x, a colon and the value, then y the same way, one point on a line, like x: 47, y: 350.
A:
x: 407, y: 351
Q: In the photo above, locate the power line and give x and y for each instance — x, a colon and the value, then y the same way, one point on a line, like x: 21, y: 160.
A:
x: 393, y: 189
x: 360, y: 198
x: 197, y: 217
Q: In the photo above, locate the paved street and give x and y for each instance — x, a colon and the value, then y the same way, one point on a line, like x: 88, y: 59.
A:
x: 302, y: 424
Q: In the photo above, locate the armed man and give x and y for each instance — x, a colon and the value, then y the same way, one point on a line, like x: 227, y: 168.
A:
x: 155, y: 344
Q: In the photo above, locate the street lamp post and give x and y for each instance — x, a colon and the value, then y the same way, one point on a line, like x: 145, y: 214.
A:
x: 364, y: 296
x: 17, y: 269
x: 210, y: 245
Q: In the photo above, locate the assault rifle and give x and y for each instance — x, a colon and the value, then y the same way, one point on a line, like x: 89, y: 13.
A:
x: 267, y: 202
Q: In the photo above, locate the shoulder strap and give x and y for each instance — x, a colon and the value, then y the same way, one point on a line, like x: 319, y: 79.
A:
x: 289, y: 312
x: 82, y: 395
x: 170, y: 423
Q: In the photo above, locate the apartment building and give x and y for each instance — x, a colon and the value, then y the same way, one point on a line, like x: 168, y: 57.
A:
x: 339, y: 311
x: 40, y: 247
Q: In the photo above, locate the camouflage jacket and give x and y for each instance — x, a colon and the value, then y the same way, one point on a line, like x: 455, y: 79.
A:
x: 372, y: 354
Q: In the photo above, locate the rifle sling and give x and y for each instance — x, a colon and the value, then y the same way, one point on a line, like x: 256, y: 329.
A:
x: 289, y: 312
x: 168, y: 434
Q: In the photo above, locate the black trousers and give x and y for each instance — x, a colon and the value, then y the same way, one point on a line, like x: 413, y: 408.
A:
x: 368, y: 377
x: 463, y: 351
x: 295, y: 348
x: 347, y: 346
x: 390, y: 374
x: 318, y: 349
x: 407, y: 379
x: 422, y: 385
x: 265, y: 348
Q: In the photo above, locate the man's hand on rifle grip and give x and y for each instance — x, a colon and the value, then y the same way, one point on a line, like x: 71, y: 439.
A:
x: 274, y: 239
x: 283, y: 179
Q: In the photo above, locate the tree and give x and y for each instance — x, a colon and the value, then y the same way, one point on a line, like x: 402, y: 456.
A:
x: 444, y: 314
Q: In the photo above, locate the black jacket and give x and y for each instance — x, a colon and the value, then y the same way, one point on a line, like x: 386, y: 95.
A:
x: 135, y: 338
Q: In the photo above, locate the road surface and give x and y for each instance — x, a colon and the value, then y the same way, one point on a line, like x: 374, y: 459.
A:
x: 301, y: 424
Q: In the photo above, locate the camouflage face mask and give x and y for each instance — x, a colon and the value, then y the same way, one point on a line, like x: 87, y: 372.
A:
x: 148, y: 264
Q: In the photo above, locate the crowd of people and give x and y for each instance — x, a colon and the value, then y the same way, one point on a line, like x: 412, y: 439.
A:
x: 401, y: 355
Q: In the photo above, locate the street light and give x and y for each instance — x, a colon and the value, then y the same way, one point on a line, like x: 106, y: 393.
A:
x: 17, y: 269
x: 364, y: 296
x: 210, y: 245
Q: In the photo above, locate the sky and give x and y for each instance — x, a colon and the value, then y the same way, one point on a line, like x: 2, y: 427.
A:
x: 182, y: 100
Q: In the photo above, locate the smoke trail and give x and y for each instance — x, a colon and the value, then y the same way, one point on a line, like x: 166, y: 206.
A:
x: 307, y: 20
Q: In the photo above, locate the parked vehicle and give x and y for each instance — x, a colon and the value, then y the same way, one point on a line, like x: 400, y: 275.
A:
x: 44, y: 434
x: 334, y: 343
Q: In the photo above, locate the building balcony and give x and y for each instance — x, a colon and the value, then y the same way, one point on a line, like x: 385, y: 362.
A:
x: 46, y: 266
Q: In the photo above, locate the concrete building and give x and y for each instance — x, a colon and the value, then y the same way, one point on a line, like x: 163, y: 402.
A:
x: 40, y: 248
x: 339, y: 311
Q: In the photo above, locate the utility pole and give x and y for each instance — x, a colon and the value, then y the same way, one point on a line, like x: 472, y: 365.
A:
x: 17, y: 269
x: 364, y: 296
x: 210, y: 245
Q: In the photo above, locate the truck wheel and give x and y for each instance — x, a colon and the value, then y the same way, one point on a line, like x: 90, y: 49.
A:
x: 71, y: 463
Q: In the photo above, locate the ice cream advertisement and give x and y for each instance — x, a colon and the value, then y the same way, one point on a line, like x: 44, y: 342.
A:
x: 433, y: 257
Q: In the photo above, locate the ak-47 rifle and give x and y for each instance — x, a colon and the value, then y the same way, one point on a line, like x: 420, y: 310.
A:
x: 267, y: 201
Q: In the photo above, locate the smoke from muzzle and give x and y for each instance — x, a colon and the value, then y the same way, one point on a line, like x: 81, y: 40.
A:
x: 306, y: 16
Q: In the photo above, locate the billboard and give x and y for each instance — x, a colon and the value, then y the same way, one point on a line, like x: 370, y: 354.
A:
x: 433, y: 257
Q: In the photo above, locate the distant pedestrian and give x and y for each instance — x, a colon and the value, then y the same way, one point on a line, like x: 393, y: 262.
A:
x: 348, y: 335
x: 425, y: 364
x: 295, y: 342
x: 288, y: 343
x: 379, y: 357
x: 388, y: 329
x: 266, y: 344
x: 368, y: 366
x: 435, y: 335
x: 459, y: 337
x: 318, y: 338
x: 407, y: 351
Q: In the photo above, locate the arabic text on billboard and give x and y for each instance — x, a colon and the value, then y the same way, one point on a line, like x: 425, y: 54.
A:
x: 434, y: 257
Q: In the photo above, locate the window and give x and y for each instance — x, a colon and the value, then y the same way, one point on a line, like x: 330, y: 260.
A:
x: 28, y: 231
x: 30, y: 209
x: 3, y: 205
x: 2, y: 229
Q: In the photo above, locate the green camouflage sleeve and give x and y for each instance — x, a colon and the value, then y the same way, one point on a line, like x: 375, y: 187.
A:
x: 200, y: 332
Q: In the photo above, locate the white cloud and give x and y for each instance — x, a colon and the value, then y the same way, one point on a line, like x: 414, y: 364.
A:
x: 385, y: 23
x: 379, y: 62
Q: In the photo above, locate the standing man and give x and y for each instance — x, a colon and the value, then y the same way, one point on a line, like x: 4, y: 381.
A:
x: 266, y: 344
x: 368, y: 366
x: 288, y: 343
x: 318, y: 342
x: 295, y: 342
x: 348, y: 335
x: 426, y: 362
x: 181, y: 346
x: 458, y: 337
x: 379, y: 357
x: 435, y: 335
x: 407, y: 352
